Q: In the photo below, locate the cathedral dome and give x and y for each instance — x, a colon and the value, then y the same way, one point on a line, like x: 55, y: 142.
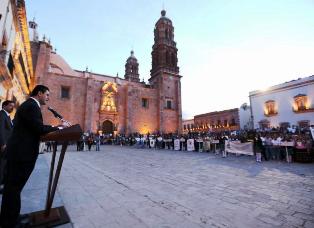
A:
x: 163, y: 19
x: 59, y: 66
x: 131, y: 68
x: 131, y: 58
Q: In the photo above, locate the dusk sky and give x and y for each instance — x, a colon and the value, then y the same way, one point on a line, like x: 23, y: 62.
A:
x: 226, y: 48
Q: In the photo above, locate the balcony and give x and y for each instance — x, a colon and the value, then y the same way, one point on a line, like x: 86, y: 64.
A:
x: 299, y: 110
x: 270, y: 114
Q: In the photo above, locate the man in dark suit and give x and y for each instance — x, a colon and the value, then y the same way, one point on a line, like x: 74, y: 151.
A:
x: 22, y: 152
x: 6, y: 126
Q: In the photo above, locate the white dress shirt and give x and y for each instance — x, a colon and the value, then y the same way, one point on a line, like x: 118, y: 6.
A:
x: 8, y: 116
x: 36, y: 101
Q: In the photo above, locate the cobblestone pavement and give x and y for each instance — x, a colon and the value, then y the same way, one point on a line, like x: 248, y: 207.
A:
x: 127, y: 187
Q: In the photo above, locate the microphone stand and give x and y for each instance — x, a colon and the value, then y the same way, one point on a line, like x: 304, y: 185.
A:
x: 58, y: 116
x: 63, y: 120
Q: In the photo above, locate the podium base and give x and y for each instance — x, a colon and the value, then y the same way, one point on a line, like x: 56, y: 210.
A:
x: 58, y: 216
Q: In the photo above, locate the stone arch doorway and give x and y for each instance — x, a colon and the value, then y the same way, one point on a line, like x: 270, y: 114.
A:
x: 107, y: 127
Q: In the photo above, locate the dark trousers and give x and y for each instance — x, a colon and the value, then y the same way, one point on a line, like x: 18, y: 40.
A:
x: 49, y: 147
x: 3, y: 162
x: 89, y: 146
x: 17, y: 176
x: 264, y: 154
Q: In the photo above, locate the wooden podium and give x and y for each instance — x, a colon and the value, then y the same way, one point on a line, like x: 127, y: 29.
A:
x: 55, y: 216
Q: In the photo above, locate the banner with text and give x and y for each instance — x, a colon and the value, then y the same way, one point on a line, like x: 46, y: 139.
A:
x: 239, y: 148
x: 152, y: 143
x: 190, y: 145
x: 176, y: 144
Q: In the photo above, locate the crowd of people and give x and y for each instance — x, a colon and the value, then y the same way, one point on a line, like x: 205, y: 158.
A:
x: 17, y: 162
x: 266, y: 144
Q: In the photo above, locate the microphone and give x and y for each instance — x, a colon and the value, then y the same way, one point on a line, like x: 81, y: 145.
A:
x: 57, y: 115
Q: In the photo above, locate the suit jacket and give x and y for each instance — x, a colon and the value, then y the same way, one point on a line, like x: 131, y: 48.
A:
x: 5, y: 127
x: 23, y: 145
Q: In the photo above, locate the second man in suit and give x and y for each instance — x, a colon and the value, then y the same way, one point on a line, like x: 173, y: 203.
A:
x: 6, y: 126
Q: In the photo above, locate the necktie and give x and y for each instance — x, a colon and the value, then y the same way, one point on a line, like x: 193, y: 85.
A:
x: 10, y: 121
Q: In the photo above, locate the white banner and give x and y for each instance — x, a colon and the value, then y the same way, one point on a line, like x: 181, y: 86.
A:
x: 152, y: 143
x: 284, y: 143
x: 239, y: 148
x: 190, y: 145
x: 177, y: 144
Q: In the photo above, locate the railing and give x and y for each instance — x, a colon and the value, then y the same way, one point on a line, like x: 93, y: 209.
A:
x: 302, y: 110
x: 270, y: 114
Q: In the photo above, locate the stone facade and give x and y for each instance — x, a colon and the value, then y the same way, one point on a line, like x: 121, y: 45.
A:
x: 226, y: 120
x: 16, y: 67
x: 218, y: 121
x: 187, y: 125
x: 287, y: 104
x: 112, y: 104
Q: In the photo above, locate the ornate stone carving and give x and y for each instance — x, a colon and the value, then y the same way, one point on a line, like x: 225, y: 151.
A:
x: 109, y: 96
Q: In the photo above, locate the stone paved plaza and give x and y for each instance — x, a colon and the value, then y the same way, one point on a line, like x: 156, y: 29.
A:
x: 128, y: 187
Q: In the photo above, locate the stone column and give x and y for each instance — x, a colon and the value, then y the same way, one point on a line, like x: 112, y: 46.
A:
x: 89, y: 105
x: 161, y: 103
x: 179, y: 106
x: 127, y: 107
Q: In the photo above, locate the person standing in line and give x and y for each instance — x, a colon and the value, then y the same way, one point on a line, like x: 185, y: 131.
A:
x: 6, y: 126
x: 78, y: 145
x: 97, y: 141
x: 48, y: 146
x: 90, y: 142
x: 22, y: 152
x: 258, y: 147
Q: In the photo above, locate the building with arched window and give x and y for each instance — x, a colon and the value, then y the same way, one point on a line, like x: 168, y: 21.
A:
x: 287, y: 104
x: 219, y: 121
x: 111, y: 104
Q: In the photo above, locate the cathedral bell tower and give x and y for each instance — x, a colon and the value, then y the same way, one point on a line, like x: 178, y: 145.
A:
x: 33, y: 34
x: 165, y: 76
x: 164, y: 54
x: 131, y: 69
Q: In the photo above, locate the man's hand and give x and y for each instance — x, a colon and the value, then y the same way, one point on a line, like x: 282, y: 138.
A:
x: 65, y: 123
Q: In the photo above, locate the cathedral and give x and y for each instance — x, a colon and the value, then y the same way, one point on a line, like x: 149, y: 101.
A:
x: 110, y: 104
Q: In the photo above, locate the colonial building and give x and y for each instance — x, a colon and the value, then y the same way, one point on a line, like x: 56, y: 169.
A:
x: 218, y: 121
x: 226, y: 120
x: 187, y: 125
x: 16, y: 68
x: 112, y: 104
x: 287, y: 104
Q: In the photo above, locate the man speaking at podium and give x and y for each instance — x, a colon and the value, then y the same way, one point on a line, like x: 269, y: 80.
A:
x: 22, y: 152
